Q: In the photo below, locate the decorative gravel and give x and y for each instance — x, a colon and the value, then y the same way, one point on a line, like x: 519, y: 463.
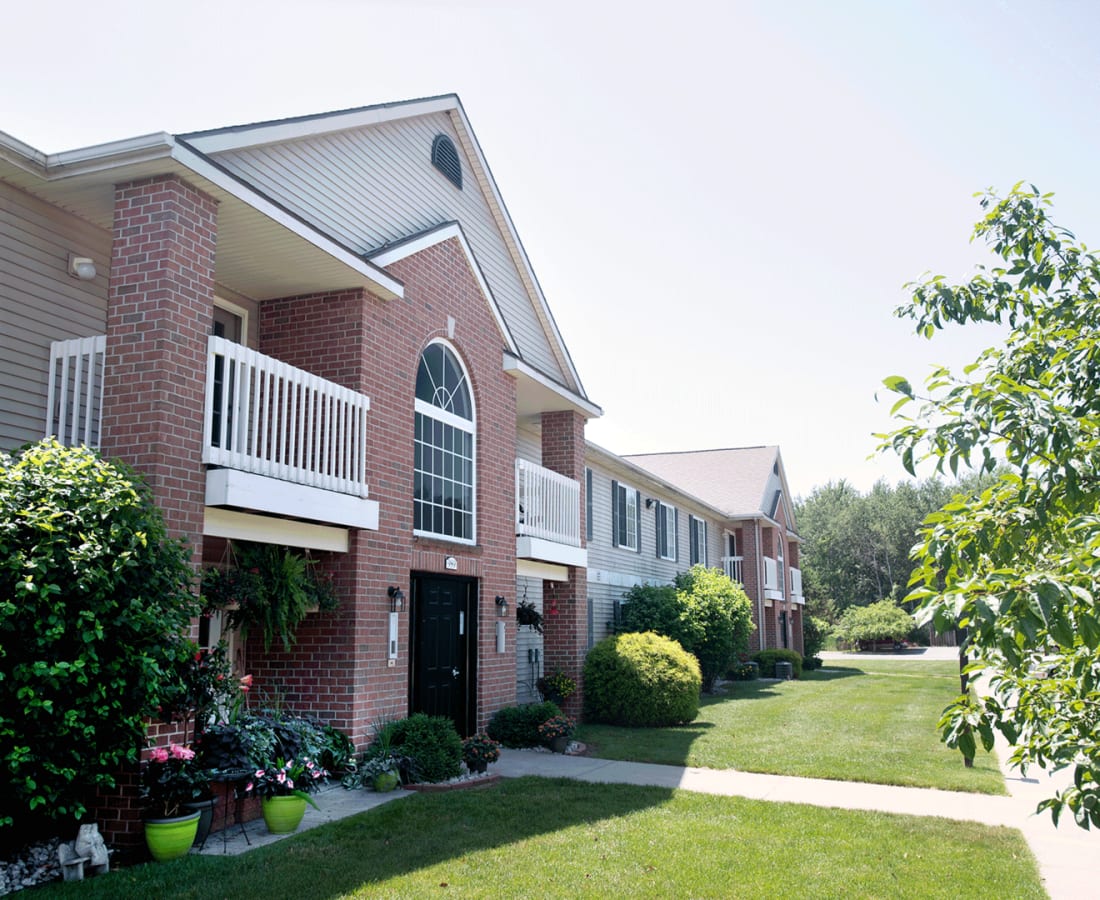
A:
x: 31, y: 865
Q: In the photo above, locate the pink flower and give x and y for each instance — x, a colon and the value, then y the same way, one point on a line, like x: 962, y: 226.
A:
x: 281, y: 777
x: 248, y: 787
x: 181, y: 752
x: 290, y: 783
x: 259, y: 773
x: 159, y: 755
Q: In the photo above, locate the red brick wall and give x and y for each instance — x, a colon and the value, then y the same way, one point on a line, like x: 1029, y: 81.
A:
x: 339, y: 667
x: 160, y: 302
x: 565, y: 603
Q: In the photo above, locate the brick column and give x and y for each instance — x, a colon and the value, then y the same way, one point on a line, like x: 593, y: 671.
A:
x: 565, y: 603
x: 159, y: 312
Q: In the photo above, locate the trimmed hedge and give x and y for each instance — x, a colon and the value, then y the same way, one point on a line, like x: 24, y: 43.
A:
x: 431, y: 743
x: 767, y: 659
x: 641, y: 680
x: 518, y: 726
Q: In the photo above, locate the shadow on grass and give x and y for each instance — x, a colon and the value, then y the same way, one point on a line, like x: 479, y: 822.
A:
x: 391, y: 840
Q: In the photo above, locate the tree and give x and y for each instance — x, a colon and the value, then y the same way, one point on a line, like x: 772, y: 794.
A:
x: 1016, y: 563
x: 709, y: 615
x: 94, y: 601
x: 882, y: 621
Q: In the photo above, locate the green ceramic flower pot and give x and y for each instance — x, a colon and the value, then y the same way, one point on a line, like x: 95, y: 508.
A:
x: 283, y: 814
x: 171, y: 838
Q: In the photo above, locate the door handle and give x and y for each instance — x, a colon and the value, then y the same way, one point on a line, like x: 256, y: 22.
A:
x: 454, y: 673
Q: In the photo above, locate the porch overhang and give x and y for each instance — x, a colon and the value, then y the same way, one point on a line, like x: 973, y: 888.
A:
x: 542, y: 550
x: 259, y: 493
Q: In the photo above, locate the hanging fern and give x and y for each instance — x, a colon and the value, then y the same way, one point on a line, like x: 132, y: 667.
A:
x: 268, y: 587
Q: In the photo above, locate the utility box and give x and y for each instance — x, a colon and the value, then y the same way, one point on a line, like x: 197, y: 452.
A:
x: 784, y: 670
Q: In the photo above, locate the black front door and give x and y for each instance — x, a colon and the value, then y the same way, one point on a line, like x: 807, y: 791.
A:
x: 443, y: 664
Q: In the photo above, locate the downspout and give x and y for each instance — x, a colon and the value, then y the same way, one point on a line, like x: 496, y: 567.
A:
x: 760, y: 586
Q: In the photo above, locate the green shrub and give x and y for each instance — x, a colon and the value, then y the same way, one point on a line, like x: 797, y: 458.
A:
x: 641, y: 680
x: 718, y: 619
x: 814, y: 632
x: 709, y: 615
x: 743, y: 671
x: 518, y: 726
x: 94, y: 601
x: 768, y: 658
x: 809, y: 663
x: 884, y: 620
x: 431, y: 744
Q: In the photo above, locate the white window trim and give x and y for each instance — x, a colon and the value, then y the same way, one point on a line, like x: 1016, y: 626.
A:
x: 668, y: 532
x: 467, y: 425
x: 698, y: 539
x: 631, y: 499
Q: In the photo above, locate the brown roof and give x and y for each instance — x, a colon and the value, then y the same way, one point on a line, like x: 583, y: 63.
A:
x: 733, y: 480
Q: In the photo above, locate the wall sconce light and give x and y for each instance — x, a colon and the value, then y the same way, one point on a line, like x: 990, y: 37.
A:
x: 397, y: 598
x: 81, y: 267
x: 650, y: 502
x: 502, y: 606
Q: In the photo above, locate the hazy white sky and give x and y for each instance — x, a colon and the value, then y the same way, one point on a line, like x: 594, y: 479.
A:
x: 722, y: 201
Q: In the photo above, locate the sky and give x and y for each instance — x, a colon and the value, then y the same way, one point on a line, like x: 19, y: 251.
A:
x: 721, y: 201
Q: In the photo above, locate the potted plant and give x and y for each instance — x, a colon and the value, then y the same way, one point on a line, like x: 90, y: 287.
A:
x: 478, y: 751
x: 285, y: 788
x: 527, y: 614
x: 556, y: 732
x: 556, y: 687
x: 270, y: 588
x: 170, y: 778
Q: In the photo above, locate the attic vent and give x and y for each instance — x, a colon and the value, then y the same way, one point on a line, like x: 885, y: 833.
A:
x: 445, y: 158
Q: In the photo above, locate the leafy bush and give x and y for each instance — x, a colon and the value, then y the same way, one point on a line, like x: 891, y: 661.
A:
x: 94, y: 597
x: 768, y: 658
x: 641, y: 680
x: 814, y: 632
x: 882, y: 621
x: 704, y: 611
x: 809, y: 663
x: 518, y: 726
x: 431, y: 743
x: 743, y: 671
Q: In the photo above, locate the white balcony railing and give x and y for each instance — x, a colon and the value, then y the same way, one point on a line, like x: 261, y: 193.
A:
x: 732, y: 565
x: 796, y: 585
x: 548, y: 504
x: 74, y: 401
x: 269, y: 418
x: 771, y: 574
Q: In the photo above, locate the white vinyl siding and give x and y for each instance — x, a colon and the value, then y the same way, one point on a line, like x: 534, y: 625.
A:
x: 589, y: 512
x: 626, y: 517
x: 40, y: 303
x: 375, y: 185
x: 666, y: 517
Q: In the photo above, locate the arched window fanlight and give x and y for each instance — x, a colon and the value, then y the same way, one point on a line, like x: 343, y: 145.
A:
x: 445, y: 158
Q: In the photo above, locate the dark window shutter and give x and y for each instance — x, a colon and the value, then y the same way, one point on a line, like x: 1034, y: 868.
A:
x: 658, y: 531
x: 676, y: 531
x: 693, y: 528
x: 614, y: 513
x: 588, y: 505
x: 638, y: 520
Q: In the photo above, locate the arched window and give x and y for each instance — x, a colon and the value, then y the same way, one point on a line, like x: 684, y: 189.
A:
x: 443, y: 465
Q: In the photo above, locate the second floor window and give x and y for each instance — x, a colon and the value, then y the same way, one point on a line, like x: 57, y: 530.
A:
x: 666, y: 531
x: 626, y: 517
x: 443, y: 463
x: 698, y: 536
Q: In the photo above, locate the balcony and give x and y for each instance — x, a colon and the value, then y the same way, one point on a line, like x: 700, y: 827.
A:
x: 276, y: 438
x: 548, y: 516
x: 796, y: 586
x: 732, y: 566
x: 773, y: 573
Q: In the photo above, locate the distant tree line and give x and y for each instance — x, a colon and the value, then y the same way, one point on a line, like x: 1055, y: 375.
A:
x: 855, y: 547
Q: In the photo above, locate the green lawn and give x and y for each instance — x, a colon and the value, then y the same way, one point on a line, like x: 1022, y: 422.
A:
x: 863, y: 719
x: 534, y: 837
